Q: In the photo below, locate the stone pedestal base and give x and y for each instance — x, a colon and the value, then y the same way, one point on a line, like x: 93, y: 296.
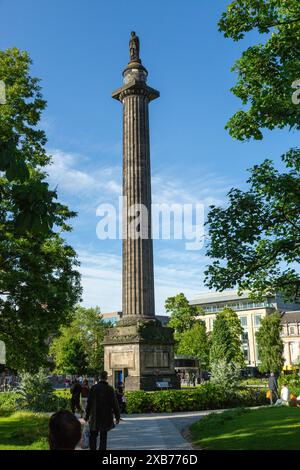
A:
x: 143, y: 352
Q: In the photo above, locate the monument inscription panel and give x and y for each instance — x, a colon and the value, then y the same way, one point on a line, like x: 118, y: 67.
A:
x: 119, y: 360
x: 155, y: 359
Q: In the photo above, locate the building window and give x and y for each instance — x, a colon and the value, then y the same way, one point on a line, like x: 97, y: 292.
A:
x: 246, y: 354
x: 257, y: 320
x: 292, y: 330
x: 245, y: 337
x: 243, y: 321
x: 294, y: 349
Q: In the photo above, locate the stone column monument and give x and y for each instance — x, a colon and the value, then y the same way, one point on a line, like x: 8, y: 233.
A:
x: 138, y: 350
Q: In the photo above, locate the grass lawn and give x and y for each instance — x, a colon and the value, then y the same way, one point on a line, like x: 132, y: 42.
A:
x: 268, y: 428
x: 24, y: 431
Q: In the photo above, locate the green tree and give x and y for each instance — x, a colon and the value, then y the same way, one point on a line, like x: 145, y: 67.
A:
x: 226, y: 339
x: 255, y: 241
x: 74, y: 359
x: 265, y: 71
x: 92, y: 330
x: 194, y: 342
x: 269, y: 344
x: 225, y: 375
x: 89, y: 328
x: 182, y: 315
x: 236, y: 331
x: 220, y: 341
x: 39, y: 284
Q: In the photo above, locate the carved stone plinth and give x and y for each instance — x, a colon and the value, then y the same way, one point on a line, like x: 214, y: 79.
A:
x: 143, y: 351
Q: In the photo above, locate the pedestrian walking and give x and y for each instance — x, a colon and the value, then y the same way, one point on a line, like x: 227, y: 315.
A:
x: 273, y: 388
x: 75, y: 396
x: 194, y: 380
x: 120, y: 392
x: 85, y: 389
x: 101, y: 408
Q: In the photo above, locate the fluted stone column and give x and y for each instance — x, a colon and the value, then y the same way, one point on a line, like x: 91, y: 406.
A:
x: 138, y: 276
x: 138, y: 347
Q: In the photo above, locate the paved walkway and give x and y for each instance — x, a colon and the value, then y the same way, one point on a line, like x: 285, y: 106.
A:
x: 157, y: 431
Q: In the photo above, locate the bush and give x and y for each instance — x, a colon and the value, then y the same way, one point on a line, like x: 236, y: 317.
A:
x: 225, y: 375
x: 292, y: 381
x: 207, y: 396
x: 36, y: 394
x: 63, y: 399
x: 8, y: 402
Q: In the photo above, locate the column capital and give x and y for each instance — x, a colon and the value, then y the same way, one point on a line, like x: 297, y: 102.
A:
x: 135, y: 87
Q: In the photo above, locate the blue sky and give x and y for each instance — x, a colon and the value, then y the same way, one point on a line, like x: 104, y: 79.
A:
x: 79, y: 50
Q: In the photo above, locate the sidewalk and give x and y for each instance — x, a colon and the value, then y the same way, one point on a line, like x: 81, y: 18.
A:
x: 157, y: 431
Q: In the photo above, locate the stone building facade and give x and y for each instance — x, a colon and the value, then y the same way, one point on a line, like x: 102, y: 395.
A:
x: 250, y: 314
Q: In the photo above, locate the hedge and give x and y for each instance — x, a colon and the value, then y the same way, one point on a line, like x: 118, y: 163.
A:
x: 205, y: 397
x: 12, y: 401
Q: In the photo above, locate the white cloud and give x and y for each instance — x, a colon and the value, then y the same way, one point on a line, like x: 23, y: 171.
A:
x: 173, y: 190
x: 65, y: 172
x: 84, y: 185
x: 102, y: 278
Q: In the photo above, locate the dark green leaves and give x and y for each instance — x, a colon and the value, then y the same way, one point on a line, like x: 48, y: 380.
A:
x: 39, y: 284
x: 255, y: 240
x: 265, y: 72
x: 269, y: 344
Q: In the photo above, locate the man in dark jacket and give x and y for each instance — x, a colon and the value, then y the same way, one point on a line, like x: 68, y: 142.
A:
x: 101, y: 407
x: 273, y: 387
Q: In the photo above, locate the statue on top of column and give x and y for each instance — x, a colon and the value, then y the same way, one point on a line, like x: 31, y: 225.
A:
x: 134, y: 48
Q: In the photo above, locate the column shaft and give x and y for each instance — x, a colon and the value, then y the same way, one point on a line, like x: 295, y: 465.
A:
x: 138, y: 277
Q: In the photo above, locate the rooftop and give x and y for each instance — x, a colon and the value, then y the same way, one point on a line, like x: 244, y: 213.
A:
x: 291, y: 317
x: 212, y: 297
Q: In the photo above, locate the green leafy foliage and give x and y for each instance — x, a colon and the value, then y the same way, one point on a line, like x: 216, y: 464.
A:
x: 35, y: 392
x: 292, y: 381
x: 88, y: 327
x: 226, y: 339
x: 194, y: 342
x: 39, y: 284
x: 22, y: 152
x: 269, y: 344
x: 8, y: 403
x: 205, y: 397
x: 255, y: 240
x: 267, y: 70
x: 182, y: 314
x: 189, y: 333
x: 74, y: 357
x: 225, y: 375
